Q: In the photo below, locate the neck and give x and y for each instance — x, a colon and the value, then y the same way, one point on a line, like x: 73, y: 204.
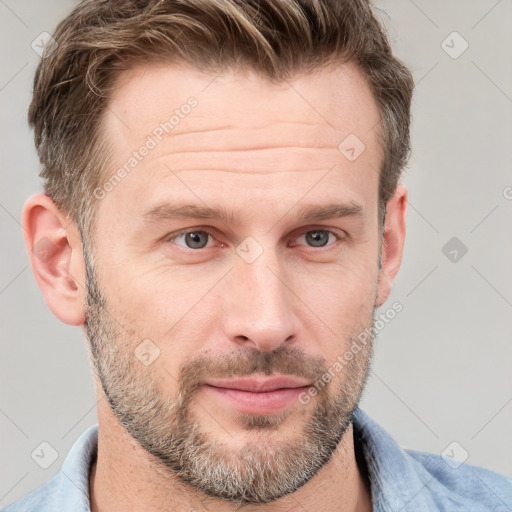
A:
x: 125, y: 478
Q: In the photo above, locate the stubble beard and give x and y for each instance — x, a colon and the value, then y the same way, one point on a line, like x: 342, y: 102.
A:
x: 165, y: 426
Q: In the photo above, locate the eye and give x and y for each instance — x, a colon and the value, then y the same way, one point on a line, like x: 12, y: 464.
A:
x: 192, y: 239
x: 319, y: 237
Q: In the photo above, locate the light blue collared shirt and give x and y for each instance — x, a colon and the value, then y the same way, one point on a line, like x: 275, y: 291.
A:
x: 401, y: 480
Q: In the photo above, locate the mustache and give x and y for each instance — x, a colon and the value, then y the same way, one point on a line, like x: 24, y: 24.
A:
x: 285, y: 360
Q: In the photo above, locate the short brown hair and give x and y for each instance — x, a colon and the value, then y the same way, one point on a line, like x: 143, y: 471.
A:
x: 277, y: 38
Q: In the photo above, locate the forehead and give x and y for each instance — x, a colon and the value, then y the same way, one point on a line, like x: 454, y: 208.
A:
x: 332, y: 101
x: 166, y: 121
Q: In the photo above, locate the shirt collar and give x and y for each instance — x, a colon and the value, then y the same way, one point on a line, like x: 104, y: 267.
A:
x: 74, y: 481
x: 398, y: 481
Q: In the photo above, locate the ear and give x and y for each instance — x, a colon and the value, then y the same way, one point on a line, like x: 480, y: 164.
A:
x: 56, y: 256
x: 393, y: 243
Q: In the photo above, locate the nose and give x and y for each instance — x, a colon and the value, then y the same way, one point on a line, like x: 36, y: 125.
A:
x: 259, y: 309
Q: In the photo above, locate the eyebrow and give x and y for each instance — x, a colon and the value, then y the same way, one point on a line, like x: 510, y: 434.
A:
x: 310, y: 213
x: 166, y: 211
x: 306, y: 213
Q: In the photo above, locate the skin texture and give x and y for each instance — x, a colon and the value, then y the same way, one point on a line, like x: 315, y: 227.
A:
x: 261, y: 151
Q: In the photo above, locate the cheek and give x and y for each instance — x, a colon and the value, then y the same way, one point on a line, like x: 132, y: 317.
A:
x: 345, y: 284
x: 162, y: 302
x: 342, y: 300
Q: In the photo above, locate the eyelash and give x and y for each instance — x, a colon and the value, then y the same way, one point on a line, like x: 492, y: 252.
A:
x: 173, y: 236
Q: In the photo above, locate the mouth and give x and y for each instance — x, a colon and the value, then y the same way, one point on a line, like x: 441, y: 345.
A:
x: 258, y: 395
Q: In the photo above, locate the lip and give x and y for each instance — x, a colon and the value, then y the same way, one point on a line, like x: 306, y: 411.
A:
x: 258, y: 395
x: 259, y: 385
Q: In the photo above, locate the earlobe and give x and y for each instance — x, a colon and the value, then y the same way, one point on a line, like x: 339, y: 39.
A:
x: 393, y: 243
x: 56, y: 257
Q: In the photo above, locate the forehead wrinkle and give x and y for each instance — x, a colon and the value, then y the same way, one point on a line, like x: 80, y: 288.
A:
x: 234, y: 170
x: 181, y: 129
x: 245, y: 139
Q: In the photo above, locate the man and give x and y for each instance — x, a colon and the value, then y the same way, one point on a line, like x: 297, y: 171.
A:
x: 223, y: 216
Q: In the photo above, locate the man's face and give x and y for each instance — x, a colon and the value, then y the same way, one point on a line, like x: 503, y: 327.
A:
x: 205, y: 331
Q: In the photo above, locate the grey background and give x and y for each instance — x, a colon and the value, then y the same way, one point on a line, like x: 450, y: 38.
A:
x: 442, y: 366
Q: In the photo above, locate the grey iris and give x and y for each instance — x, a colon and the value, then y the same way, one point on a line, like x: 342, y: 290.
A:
x: 196, y: 239
x: 317, y: 238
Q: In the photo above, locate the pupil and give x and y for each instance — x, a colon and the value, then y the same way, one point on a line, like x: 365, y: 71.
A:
x: 318, y: 238
x: 196, y: 239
